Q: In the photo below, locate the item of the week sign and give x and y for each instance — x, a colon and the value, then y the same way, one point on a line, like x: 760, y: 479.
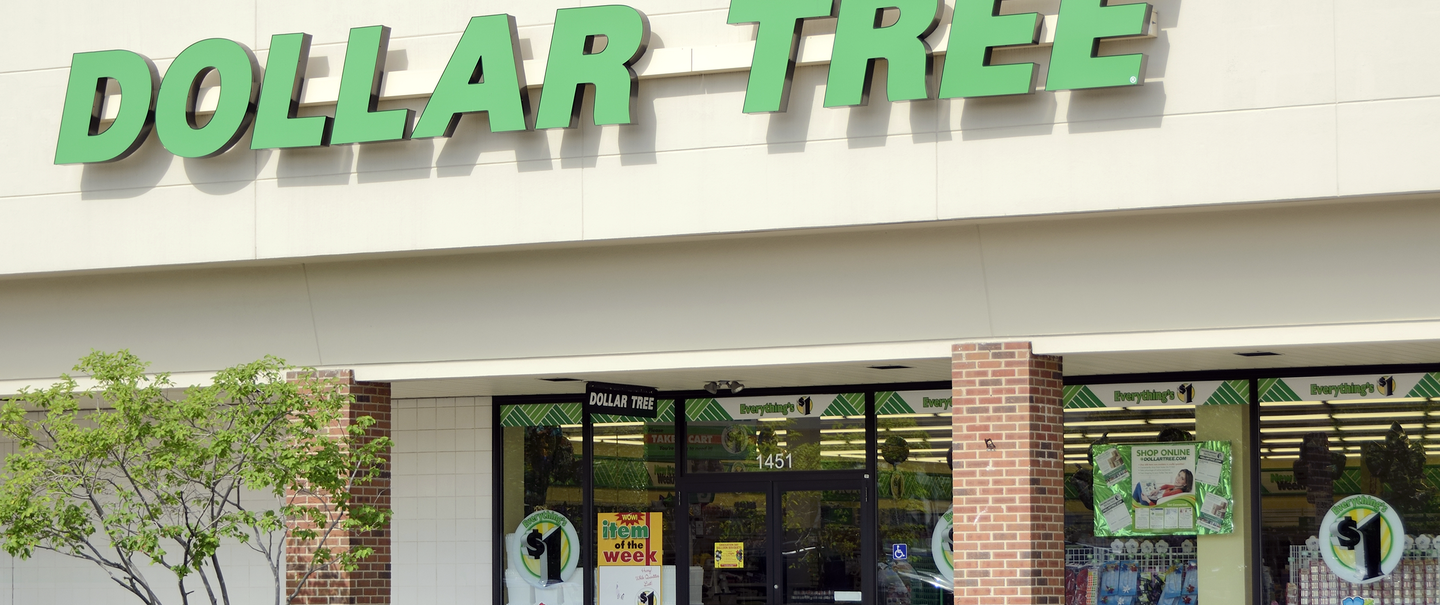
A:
x: 629, y: 539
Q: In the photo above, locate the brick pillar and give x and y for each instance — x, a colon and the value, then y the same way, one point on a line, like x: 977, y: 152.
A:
x: 1009, y: 494
x: 370, y: 583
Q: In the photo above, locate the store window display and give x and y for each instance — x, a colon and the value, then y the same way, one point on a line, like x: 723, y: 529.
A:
x: 1332, y: 439
x: 1142, y: 488
x: 543, y: 504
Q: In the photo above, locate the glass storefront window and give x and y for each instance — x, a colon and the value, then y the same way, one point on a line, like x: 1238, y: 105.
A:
x: 786, y: 498
x: 779, y: 433
x: 1152, y: 499
x: 914, y: 486
x: 732, y: 524
x: 1326, y: 439
x: 634, y: 474
x: 541, y: 494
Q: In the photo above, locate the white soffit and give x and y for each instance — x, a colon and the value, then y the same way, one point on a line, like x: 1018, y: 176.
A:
x: 1415, y: 342
x: 1085, y: 355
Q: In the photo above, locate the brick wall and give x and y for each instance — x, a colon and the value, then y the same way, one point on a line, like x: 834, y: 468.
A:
x: 1009, y: 494
x: 370, y: 583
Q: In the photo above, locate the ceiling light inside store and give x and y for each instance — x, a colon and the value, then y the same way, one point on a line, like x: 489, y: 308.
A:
x: 1358, y: 415
x: 1378, y: 427
x: 1295, y: 417
x: 1132, y: 422
x: 1290, y: 429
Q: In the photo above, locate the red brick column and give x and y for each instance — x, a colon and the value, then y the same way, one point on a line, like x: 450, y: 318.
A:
x: 370, y: 584
x: 1009, y: 494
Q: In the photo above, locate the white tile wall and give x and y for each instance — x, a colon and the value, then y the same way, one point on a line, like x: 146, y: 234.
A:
x: 442, y: 498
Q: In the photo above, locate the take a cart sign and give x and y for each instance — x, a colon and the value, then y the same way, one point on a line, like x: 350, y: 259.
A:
x: 484, y: 74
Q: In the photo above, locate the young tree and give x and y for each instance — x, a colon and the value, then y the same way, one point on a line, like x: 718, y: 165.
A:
x: 126, y: 477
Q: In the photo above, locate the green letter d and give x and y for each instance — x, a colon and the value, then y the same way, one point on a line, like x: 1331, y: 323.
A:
x: 81, y: 140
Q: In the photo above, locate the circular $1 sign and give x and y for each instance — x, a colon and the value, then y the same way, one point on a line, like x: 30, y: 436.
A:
x: 1362, y: 539
x: 546, y: 548
x: 942, y: 543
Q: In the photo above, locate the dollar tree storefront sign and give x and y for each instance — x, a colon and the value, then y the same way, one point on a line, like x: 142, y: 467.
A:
x: 484, y: 74
x: 546, y: 548
x: 1362, y: 539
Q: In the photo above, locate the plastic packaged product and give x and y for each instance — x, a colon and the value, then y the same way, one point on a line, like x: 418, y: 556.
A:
x: 1109, y: 585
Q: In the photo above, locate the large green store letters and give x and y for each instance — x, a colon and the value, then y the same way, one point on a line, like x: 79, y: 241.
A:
x: 81, y: 139
x: 574, y: 63
x: 594, y: 47
x: 1074, y: 61
x: 175, y: 119
x: 276, y: 125
x: 778, y: 39
x: 485, y: 75
x: 356, y: 120
x: 976, y: 30
x: 860, y: 40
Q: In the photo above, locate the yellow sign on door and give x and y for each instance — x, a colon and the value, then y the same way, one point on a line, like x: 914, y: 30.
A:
x: 729, y: 555
x: 630, y: 539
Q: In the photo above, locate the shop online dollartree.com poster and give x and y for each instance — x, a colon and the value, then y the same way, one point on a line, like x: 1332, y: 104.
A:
x: 1161, y: 489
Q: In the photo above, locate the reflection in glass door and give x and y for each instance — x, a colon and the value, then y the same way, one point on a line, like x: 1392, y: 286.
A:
x: 730, y: 532
x: 778, y: 542
x: 820, y: 546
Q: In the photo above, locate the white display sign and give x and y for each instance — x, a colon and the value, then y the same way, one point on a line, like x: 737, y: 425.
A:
x: 629, y: 585
x: 546, y: 549
x: 1362, y: 539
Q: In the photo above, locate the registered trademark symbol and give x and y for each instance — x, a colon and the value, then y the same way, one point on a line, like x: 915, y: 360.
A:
x: 1134, y: 79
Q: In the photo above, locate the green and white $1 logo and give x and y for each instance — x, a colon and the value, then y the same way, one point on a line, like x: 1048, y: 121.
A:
x: 546, y: 548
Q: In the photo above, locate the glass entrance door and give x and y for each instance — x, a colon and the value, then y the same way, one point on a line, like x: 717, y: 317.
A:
x: 780, y: 541
x: 820, y: 560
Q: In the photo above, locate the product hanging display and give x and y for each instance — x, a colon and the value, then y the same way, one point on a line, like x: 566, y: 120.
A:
x: 1416, y: 581
x: 1100, y: 576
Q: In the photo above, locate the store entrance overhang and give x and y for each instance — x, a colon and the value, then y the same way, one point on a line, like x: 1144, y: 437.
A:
x: 1351, y: 345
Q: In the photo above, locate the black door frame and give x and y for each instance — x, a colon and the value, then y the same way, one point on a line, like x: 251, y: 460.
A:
x: 773, y: 485
x: 869, y: 505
